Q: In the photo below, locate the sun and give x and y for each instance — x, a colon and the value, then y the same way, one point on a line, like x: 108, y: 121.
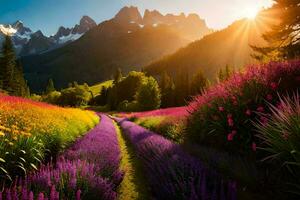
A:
x: 251, y: 12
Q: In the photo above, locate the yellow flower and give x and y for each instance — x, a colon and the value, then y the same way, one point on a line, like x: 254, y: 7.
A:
x: 2, y: 134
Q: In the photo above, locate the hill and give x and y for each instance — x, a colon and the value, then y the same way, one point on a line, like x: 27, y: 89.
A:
x: 230, y: 46
x: 127, y: 41
x: 95, y: 89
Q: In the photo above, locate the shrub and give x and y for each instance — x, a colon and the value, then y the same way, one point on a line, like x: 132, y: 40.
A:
x: 148, y: 95
x: 280, y: 135
x: 74, y: 96
x: 222, y: 117
x: 125, y: 89
x: 51, y: 97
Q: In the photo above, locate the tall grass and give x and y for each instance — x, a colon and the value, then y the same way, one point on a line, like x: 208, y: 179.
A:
x: 281, y: 138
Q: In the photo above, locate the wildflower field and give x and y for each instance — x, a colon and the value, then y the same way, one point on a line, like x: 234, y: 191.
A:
x: 32, y: 132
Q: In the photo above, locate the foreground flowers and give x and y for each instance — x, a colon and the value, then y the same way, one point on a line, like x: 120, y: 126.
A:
x: 171, y: 172
x: 88, y: 170
x: 31, y: 132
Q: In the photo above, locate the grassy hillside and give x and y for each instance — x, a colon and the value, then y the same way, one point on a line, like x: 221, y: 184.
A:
x: 95, y: 89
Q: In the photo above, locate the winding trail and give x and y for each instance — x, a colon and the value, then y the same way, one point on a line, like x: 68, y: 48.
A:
x: 134, y: 185
x: 170, y: 171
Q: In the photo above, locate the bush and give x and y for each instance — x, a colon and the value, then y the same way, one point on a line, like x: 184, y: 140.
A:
x: 51, y: 97
x: 148, y: 95
x: 74, y: 96
x: 280, y: 135
x: 128, y: 106
x: 222, y: 117
x: 125, y: 89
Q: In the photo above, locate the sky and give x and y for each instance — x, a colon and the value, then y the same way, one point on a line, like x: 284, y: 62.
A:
x: 48, y: 15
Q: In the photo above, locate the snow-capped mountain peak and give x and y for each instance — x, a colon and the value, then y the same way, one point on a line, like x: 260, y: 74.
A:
x: 28, y: 42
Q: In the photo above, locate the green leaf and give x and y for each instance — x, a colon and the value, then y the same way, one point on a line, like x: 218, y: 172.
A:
x: 2, y: 160
x: 3, y: 170
x: 33, y: 166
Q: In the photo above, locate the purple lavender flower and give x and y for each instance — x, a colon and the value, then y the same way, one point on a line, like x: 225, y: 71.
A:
x: 172, y: 173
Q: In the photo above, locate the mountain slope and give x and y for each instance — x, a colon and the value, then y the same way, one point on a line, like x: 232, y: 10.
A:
x: 27, y: 42
x: 230, y: 46
x: 123, y: 42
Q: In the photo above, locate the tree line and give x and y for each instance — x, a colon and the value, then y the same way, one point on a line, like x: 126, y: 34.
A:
x: 12, y: 79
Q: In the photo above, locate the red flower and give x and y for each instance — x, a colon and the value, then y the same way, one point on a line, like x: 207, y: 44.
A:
x: 234, y: 132
x: 230, y: 122
x: 269, y: 97
x: 230, y: 137
x: 254, y: 146
x: 248, y: 112
x: 260, y: 109
x: 264, y: 120
x: 274, y: 85
x: 221, y: 109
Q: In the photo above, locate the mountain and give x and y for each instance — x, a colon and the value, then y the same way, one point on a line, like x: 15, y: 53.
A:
x: 230, y: 46
x: 27, y: 42
x: 127, y: 41
x: 20, y: 34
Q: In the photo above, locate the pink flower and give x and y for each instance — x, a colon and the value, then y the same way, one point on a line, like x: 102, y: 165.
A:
x: 230, y: 137
x: 229, y: 116
x: 221, y: 109
x: 260, y: 109
x: 264, y: 120
x: 269, y: 97
x: 230, y: 122
x: 254, y: 146
x: 274, y: 85
x: 248, y: 112
x: 78, y: 194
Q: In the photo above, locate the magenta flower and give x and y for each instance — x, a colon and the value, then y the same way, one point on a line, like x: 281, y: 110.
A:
x: 274, y: 85
x: 260, y: 109
x: 248, y: 112
x: 230, y: 122
x: 221, y: 109
x: 230, y: 137
x: 269, y: 97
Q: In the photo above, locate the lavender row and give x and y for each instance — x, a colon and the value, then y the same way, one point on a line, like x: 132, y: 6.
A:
x: 87, y: 170
x: 172, y: 173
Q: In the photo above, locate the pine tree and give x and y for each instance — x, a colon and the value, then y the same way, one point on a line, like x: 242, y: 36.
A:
x: 8, y: 64
x: 182, y: 89
x: 20, y: 84
x: 167, y: 91
x: 283, y: 39
x: 50, y: 86
x: 11, y: 72
x: 199, y: 83
x: 118, y: 76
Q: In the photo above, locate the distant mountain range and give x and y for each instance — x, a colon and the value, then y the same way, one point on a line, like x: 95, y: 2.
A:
x: 127, y: 41
x: 28, y: 42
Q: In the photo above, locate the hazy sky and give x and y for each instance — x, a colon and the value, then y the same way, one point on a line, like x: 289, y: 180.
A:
x: 48, y: 15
